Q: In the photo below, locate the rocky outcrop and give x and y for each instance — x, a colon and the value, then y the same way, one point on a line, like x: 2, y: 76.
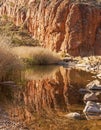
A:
x: 66, y: 25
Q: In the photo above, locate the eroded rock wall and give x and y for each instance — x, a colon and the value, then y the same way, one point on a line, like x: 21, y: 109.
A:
x: 73, y: 27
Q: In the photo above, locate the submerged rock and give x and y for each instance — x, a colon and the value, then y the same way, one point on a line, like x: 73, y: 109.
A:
x: 73, y: 115
x: 7, y: 83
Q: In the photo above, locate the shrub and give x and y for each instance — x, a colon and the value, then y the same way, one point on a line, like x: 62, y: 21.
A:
x: 8, y: 60
x: 37, y: 55
x: 19, y: 36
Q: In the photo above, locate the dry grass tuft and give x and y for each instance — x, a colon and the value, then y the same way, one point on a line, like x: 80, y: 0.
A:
x: 8, y: 60
x: 37, y: 55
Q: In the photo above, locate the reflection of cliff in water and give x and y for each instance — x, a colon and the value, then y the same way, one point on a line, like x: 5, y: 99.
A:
x: 49, y: 94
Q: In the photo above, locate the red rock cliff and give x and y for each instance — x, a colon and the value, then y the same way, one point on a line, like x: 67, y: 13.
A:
x: 74, y: 27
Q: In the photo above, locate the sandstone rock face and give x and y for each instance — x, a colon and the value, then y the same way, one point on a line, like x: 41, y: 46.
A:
x: 73, y: 27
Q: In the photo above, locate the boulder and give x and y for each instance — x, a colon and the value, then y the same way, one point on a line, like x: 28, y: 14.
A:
x: 73, y: 115
x: 90, y: 97
x: 92, y: 107
x: 93, y: 116
x: 94, y: 85
x: 83, y: 91
x: 99, y: 76
x: 97, y: 82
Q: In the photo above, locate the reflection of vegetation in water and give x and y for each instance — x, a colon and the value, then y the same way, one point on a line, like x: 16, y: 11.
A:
x: 40, y: 72
x: 8, y: 60
x: 11, y: 75
x: 20, y: 75
x: 6, y: 94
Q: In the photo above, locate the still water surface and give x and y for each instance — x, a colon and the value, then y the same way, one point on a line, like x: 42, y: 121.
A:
x: 38, y: 98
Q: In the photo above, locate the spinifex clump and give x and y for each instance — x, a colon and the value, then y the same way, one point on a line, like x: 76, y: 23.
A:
x: 8, y: 60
